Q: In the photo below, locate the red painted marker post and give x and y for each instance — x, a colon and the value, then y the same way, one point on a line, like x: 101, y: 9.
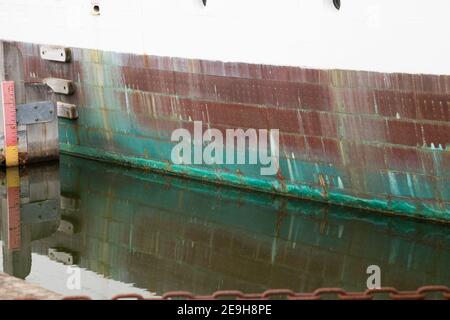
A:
x: 10, y: 124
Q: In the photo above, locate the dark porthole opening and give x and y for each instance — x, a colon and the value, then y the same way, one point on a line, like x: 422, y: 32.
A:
x: 96, y: 9
x: 204, y: 2
x: 337, y: 4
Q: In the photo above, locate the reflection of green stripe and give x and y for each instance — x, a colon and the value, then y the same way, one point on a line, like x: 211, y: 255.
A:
x: 161, y: 211
x: 273, y: 186
x: 131, y: 189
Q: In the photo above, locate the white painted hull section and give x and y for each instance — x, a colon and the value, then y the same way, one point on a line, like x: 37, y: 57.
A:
x: 409, y: 36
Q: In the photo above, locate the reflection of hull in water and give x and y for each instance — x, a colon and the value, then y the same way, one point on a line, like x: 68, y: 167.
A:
x: 39, y: 214
x: 165, y: 234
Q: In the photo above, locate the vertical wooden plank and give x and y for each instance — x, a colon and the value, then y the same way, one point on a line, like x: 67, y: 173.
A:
x: 13, y: 69
x: 42, y: 138
x: 43, y: 141
x: 43, y: 183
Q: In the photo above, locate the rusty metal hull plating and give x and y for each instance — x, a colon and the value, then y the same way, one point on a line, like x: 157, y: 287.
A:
x: 364, y: 139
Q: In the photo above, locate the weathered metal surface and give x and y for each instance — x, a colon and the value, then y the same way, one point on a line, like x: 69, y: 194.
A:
x: 67, y: 110
x: 35, y: 112
x: 379, y: 141
x: 53, y: 53
x: 61, y: 86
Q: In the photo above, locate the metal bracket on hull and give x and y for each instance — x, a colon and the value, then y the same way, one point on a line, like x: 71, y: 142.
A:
x: 67, y: 226
x: 36, y: 112
x: 58, y: 54
x: 62, y: 86
x: 61, y: 256
x: 67, y: 110
x: 40, y: 211
x: 70, y: 203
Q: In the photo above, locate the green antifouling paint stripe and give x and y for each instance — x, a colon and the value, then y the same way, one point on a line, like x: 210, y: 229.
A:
x: 397, y: 206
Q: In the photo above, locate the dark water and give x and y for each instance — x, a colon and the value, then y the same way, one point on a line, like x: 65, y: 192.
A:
x: 131, y: 231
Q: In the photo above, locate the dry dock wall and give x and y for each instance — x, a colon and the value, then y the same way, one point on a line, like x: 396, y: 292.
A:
x: 365, y: 139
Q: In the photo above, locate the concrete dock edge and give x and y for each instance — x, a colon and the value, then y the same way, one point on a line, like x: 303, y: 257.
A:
x: 13, y: 288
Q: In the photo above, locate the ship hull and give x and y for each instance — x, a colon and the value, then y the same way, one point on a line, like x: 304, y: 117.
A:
x: 364, y: 139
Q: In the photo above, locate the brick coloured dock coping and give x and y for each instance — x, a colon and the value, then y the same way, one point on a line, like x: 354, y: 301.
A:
x: 13, y: 288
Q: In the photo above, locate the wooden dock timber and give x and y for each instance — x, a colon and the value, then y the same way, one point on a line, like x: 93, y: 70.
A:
x: 13, y: 288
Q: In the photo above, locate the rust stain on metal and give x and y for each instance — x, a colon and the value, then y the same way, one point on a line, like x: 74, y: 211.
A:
x: 323, y: 185
x: 23, y: 158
